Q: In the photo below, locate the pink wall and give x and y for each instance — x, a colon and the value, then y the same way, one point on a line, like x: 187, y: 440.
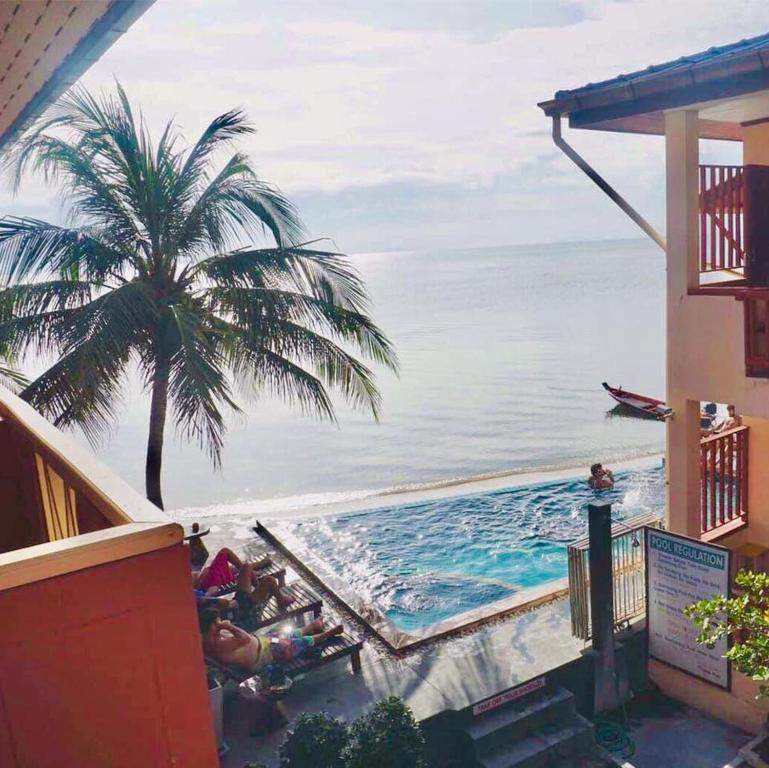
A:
x: 706, y: 361
x: 103, y: 667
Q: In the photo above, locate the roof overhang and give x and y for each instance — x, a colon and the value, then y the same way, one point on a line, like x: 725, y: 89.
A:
x: 46, y: 46
x: 636, y: 103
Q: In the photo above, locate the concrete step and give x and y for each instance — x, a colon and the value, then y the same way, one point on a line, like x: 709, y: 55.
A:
x: 549, y: 747
x: 503, y: 726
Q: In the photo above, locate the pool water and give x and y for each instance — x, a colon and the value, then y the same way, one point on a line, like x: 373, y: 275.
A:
x: 425, y: 562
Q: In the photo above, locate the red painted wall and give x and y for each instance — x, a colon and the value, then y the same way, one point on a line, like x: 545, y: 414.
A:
x: 103, y: 667
x: 22, y: 522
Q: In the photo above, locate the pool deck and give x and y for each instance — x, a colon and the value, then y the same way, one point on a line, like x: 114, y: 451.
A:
x: 664, y: 732
x: 450, y: 674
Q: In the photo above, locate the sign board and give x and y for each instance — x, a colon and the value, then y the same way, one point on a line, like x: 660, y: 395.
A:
x: 511, y: 695
x: 680, y: 571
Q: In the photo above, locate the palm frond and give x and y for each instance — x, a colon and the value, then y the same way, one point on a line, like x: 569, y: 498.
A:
x: 29, y: 247
x: 326, y: 275
x: 84, y: 386
x: 198, y: 385
x: 254, y: 307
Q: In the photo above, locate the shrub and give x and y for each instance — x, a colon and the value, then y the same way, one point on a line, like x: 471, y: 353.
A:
x: 388, y: 737
x: 744, y: 618
x: 316, y: 741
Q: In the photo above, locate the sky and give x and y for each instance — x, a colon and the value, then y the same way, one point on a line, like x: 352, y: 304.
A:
x: 413, y: 125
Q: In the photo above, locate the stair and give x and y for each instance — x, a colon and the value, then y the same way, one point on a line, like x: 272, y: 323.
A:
x: 541, y: 731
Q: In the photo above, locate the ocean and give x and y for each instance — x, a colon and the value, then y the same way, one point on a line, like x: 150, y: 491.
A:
x: 503, y: 351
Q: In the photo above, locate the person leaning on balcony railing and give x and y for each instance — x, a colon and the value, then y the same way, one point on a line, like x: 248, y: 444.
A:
x: 732, y: 421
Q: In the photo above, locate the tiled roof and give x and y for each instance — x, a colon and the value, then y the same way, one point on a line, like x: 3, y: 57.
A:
x: 719, y: 72
x: 717, y: 53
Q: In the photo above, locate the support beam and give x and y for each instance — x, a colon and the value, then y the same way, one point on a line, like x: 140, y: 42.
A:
x: 683, y: 429
x: 606, y: 689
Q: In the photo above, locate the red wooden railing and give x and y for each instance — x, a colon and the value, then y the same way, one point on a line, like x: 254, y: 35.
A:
x: 722, y: 230
x: 724, y: 479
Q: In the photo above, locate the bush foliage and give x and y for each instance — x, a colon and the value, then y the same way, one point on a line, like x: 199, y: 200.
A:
x: 388, y: 737
x: 745, y: 619
x: 316, y: 741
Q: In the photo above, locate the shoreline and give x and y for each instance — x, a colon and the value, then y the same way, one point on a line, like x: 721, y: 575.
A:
x: 268, y: 510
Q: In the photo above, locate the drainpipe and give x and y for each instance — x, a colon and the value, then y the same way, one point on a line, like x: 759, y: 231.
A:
x: 604, y: 185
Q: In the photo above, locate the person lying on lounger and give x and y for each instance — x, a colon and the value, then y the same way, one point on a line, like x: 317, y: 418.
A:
x: 223, y: 570
x: 251, y: 590
x: 232, y: 646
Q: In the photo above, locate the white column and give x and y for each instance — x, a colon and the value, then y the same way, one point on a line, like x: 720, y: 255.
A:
x: 683, y: 435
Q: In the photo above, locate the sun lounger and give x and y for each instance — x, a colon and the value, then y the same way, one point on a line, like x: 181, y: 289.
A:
x: 273, y: 569
x: 305, y: 602
x: 340, y: 647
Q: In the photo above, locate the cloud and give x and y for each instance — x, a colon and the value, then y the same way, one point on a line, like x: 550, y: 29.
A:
x: 432, y: 101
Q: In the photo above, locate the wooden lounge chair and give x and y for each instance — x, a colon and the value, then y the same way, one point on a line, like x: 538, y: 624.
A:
x: 305, y: 602
x: 340, y: 647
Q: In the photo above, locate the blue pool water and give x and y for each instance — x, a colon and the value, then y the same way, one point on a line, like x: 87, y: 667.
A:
x: 422, y: 563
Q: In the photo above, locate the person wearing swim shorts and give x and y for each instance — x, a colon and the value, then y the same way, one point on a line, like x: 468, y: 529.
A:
x: 233, y: 646
x: 223, y: 570
x: 251, y: 589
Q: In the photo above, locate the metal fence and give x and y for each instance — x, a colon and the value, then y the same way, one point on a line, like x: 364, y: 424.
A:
x: 628, y: 566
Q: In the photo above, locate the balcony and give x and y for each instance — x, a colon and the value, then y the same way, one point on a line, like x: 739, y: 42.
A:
x: 102, y: 652
x: 724, y: 483
x: 734, y: 250
x: 45, y: 499
x: 721, y: 222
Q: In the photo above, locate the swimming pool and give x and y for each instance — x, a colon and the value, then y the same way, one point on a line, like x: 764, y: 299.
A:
x: 421, y: 563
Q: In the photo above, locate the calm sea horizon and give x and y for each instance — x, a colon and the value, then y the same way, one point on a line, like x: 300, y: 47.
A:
x: 503, y: 351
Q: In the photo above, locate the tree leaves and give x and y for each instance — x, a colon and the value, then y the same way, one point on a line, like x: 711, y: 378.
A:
x: 744, y: 618
x: 150, y: 271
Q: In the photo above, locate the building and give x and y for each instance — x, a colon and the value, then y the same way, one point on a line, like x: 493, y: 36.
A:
x: 717, y: 233
x: 100, y: 658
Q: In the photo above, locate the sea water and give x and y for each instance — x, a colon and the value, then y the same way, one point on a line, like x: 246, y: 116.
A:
x: 502, y: 350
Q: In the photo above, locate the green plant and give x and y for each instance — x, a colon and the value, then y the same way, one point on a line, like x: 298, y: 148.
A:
x: 387, y: 737
x: 315, y: 741
x: 158, y: 271
x: 744, y: 618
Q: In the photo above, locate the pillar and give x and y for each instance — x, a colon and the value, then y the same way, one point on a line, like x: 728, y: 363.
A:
x: 683, y: 429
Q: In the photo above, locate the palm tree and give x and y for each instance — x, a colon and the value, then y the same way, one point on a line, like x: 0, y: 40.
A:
x: 157, y: 269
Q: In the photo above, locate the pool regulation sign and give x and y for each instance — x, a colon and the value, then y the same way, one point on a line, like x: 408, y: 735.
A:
x: 680, y: 571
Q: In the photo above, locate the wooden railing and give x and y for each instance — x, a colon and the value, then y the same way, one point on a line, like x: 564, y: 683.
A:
x: 724, y: 482
x: 628, y: 568
x: 722, y: 230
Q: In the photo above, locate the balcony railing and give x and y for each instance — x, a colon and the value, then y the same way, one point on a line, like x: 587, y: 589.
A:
x: 628, y: 568
x: 724, y: 482
x: 722, y: 230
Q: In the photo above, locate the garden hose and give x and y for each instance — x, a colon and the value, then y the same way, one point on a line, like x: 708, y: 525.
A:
x: 614, y: 738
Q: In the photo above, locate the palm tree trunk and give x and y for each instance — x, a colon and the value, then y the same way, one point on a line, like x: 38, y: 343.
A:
x: 157, y: 427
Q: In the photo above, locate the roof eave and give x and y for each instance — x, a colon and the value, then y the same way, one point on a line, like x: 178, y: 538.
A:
x: 615, y: 105
x: 114, y: 23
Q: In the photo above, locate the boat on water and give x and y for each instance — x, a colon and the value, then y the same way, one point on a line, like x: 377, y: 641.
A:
x: 650, y: 407
x: 641, y: 405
